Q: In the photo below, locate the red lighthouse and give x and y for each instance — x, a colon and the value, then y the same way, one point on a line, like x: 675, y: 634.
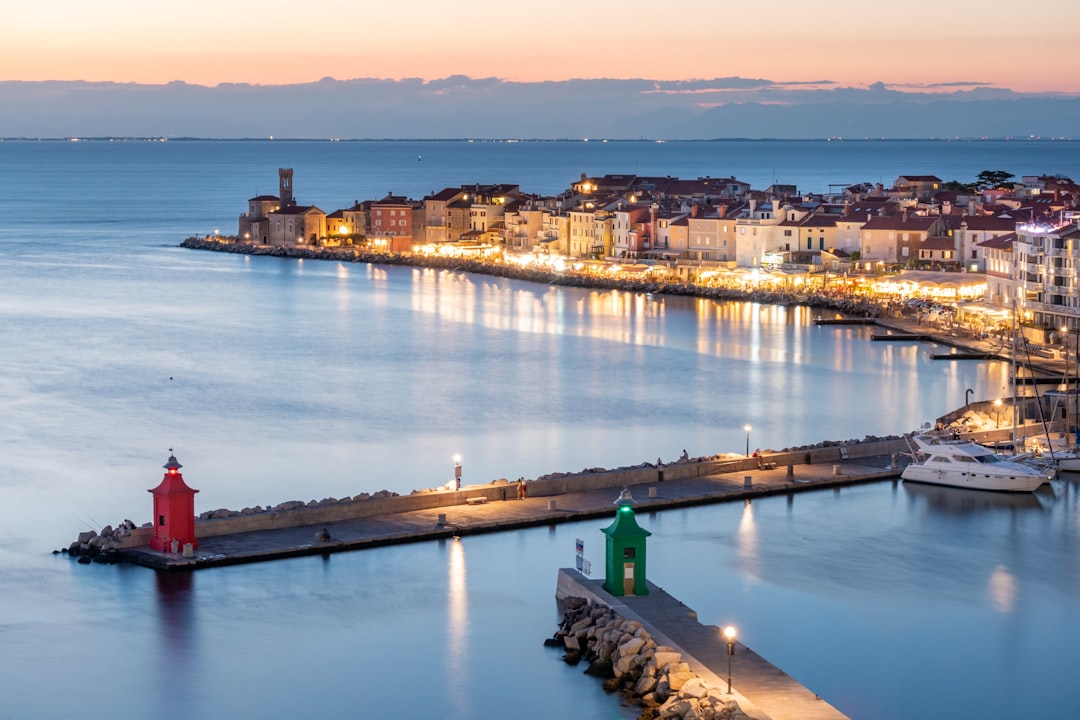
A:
x: 174, y: 511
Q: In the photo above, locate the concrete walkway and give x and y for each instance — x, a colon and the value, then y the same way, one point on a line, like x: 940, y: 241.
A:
x: 762, y: 690
x: 422, y: 525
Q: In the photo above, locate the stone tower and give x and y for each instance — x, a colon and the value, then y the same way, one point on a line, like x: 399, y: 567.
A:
x: 285, y: 187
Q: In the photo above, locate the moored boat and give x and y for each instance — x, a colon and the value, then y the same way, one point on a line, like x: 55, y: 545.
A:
x: 965, y: 464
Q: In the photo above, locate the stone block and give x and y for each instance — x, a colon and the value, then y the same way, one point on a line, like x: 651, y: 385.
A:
x: 677, y: 679
x: 630, y: 647
x: 694, y: 688
x: 645, y: 684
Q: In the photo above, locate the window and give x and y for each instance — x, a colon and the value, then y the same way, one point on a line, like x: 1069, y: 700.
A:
x: 787, y: 233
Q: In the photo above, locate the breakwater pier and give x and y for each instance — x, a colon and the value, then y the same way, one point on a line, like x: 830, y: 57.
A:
x: 431, y: 515
x: 664, y: 656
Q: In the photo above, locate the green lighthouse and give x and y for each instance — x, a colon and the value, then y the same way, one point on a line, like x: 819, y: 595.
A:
x: 625, y: 551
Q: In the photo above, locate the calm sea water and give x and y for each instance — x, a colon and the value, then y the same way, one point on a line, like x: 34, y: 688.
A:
x: 275, y: 380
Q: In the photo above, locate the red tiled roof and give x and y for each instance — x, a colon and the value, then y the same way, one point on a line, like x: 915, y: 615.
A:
x: 986, y: 222
x: 939, y: 243
x: 999, y: 242
x: 913, y: 223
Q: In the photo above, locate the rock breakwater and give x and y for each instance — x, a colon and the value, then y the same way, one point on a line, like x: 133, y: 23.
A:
x: 655, y: 677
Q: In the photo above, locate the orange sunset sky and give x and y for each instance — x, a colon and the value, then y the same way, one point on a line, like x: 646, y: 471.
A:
x: 1032, y: 46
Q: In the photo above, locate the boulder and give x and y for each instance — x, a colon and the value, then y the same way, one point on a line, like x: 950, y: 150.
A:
x: 663, y: 658
x: 630, y: 647
x: 694, y: 688
x: 645, y: 684
x: 600, y: 668
x: 573, y: 603
x: 676, y: 680
x: 85, y: 537
x: 621, y: 667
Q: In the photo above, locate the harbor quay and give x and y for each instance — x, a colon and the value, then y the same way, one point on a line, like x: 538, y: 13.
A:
x: 329, y: 527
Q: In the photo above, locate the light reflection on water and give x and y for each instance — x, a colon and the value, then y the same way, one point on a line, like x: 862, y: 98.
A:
x: 280, y: 379
x: 877, y: 597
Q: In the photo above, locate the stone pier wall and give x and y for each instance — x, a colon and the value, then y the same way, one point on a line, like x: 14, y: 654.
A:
x: 329, y: 510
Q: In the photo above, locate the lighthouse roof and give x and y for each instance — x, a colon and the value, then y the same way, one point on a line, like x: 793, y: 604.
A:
x: 625, y: 525
x: 173, y: 482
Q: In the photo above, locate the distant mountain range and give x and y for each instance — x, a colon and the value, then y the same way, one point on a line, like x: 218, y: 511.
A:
x: 462, y: 107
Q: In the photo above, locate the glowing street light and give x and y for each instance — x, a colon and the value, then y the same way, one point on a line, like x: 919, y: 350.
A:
x: 746, y: 427
x: 729, y: 635
x: 997, y: 413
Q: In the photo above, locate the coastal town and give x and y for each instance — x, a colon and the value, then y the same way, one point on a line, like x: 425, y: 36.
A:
x: 970, y: 258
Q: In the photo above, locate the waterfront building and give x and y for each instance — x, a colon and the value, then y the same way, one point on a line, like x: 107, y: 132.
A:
x: 1047, y: 255
x: 672, y: 242
x: 396, y: 224
x: 440, y: 224
x: 973, y: 231
x: 522, y: 225
x: 758, y: 231
x: 890, y: 241
x: 254, y: 225
x: 297, y: 225
x: 582, y: 230
x: 938, y: 253
x: 997, y: 256
x: 711, y: 235
x: 553, y: 238
x: 356, y: 218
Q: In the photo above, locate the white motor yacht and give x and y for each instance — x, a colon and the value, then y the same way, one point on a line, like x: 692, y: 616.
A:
x: 965, y: 464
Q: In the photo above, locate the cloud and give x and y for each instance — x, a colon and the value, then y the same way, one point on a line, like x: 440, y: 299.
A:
x: 460, y: 106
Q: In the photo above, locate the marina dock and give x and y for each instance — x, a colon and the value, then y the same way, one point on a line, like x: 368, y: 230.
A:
x: 455, y: 520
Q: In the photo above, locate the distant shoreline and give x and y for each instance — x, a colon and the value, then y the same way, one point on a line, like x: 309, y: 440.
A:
x: 495, y: 140
x: 863, y: 308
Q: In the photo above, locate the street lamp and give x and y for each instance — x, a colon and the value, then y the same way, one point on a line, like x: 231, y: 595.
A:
x: 729, y: 635
x: 457, y: 472
x: 967, y: 394
x: 746, y: 427
x: 997, y: 413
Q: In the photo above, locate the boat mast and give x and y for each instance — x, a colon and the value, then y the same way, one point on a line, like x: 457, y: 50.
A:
x: 1015, y: 378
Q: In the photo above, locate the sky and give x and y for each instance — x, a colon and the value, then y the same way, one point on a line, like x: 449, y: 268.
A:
x: 938, y: 46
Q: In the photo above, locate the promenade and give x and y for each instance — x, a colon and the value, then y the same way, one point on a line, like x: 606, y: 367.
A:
x: 467, y: 519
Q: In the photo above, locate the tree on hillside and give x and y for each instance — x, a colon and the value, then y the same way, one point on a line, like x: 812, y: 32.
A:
x: 957, y: 186
x: 992, y: 179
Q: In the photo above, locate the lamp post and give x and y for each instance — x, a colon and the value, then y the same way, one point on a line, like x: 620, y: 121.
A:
x: 997, y: 413
x: 746, y: 427
x: 967, y: 394
x: 457, y: 472
x: 729, y: 635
